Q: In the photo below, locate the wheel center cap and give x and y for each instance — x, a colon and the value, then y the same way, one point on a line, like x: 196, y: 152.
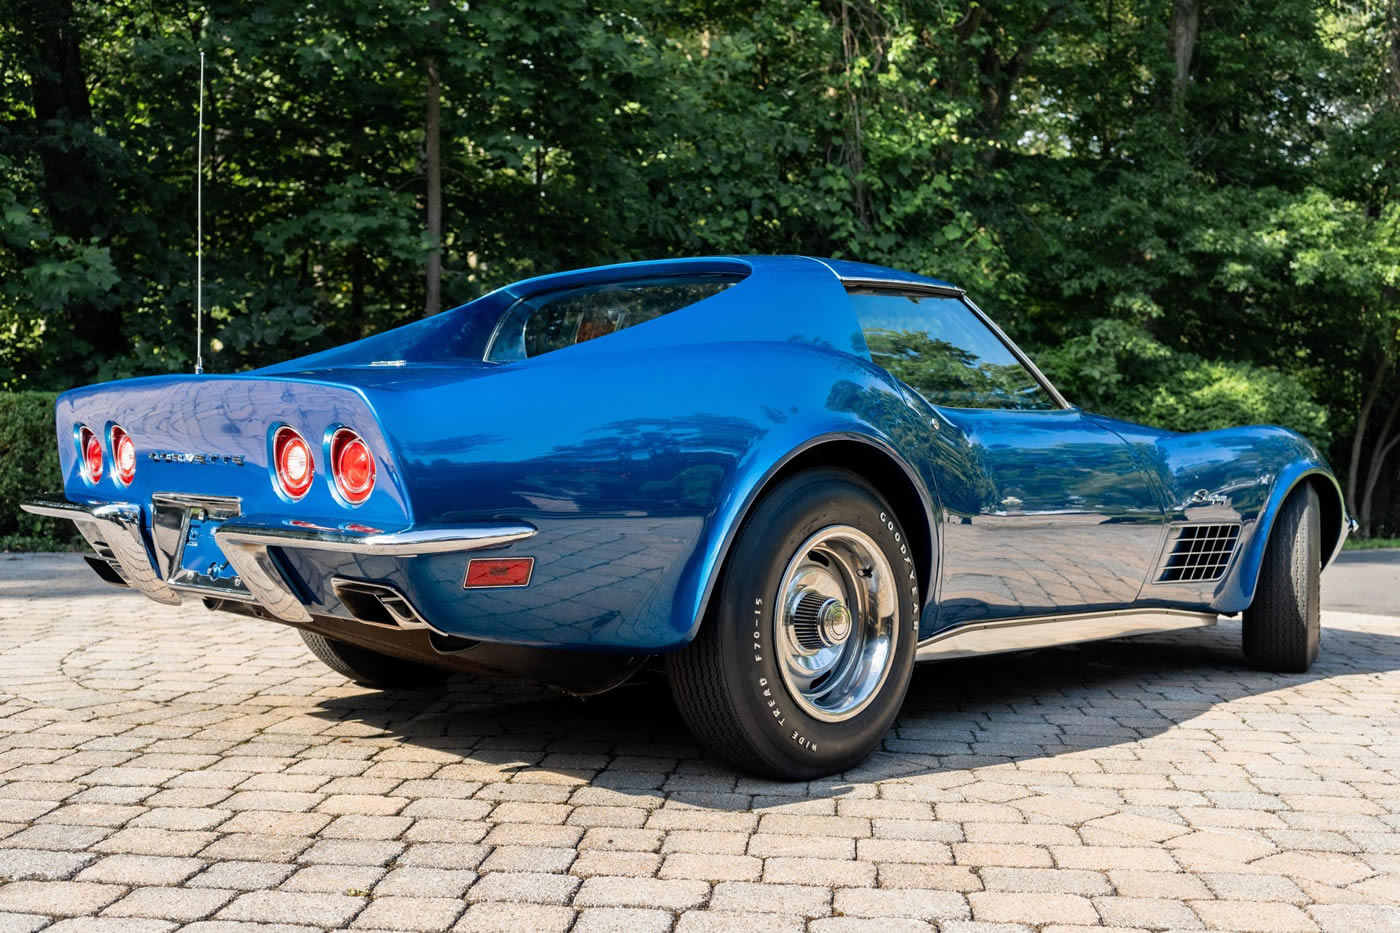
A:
x: 835, y: 623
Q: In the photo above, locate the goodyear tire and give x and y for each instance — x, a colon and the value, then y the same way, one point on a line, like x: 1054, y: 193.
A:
x: 801, y: 665
x: 370, y: 668
x: 1282, y: 628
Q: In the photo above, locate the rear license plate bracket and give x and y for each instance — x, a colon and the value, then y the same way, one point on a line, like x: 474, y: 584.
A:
x: 197, y: 563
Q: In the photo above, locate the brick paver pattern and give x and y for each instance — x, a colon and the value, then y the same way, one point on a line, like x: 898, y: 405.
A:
x: 171, y: 768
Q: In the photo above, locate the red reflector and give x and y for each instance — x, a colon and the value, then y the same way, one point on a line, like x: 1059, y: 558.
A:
x: 502, y: 571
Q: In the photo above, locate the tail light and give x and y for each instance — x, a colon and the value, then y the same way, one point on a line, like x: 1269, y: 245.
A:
x: 352, y: 465
x: 291, y: 458
x: 91, y: 447
x: 123, y: 456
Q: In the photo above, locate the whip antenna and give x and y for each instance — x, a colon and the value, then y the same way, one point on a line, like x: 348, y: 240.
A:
x: 199, y: 231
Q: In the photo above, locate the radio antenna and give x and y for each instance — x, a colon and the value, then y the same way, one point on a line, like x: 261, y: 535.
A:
x: 199, y: 231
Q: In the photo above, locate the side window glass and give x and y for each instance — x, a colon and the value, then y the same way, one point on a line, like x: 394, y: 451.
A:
x: 940, y: 348
x: 535, y: 326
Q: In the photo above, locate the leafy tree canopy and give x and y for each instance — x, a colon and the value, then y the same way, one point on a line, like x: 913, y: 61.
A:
x: 1185, y: 209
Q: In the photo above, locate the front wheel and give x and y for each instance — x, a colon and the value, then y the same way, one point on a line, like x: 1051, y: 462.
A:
x: 1283, y: 626
x: 800, y: 667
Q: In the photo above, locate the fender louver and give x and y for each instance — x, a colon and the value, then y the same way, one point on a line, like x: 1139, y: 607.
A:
x: 1199, y: 553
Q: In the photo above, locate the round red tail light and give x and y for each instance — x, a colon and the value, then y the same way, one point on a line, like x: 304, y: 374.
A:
x: 123, y: 456
x: 352, y: 465
x: 291, y: 458
x: 91, y: 447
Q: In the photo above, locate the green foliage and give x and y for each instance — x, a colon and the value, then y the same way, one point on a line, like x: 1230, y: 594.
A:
x: 1354, y: 543
x: 1195, y: 249
x: 30, y: 465
x: 1120, y: 370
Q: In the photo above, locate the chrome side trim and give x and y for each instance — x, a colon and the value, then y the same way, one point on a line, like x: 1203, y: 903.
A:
x: 1020, y: 354
x: 114, y: 531
x: 392, y: 544
x: 943, y: 291
x: 246, y: 544
x: 999, y: 635
x: 904, y: 285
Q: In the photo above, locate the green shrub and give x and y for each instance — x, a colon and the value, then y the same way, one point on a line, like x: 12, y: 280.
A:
x: 29, y: 466
x: 1120, y: 370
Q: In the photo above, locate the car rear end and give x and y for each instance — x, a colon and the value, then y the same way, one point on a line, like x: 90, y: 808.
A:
x: 207, y: 487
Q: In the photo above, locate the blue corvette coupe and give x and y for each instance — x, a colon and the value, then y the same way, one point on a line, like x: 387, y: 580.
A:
x: 782, y: 479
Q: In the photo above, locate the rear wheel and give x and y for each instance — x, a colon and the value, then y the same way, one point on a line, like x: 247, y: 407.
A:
x: 1283, y: 627
x: 801, y: 666
x: 370, y: 668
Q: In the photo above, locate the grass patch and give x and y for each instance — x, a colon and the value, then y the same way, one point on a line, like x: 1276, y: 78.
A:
x: 1370, y: 544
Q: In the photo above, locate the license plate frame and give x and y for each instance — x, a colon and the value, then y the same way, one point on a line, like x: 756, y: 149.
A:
x: 184, y: 527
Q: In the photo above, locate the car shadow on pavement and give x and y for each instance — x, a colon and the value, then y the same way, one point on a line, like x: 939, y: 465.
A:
x: 1024, y: 710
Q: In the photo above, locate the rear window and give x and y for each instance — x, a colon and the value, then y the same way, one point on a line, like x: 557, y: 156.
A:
x: 555, y: 320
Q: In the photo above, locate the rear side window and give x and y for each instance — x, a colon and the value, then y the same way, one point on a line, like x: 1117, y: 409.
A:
x: 941, y: 349
x: 555, y: 320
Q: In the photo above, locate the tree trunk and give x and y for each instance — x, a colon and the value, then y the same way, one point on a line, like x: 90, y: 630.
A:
x: 1358, y: 438
x: 1392, y: 87
x: 433, y: 300
x: 1000, y: 78
x: 73, y: 191
x: 854, y: 140
x: 1186, y: 25
x: 1385, y: 443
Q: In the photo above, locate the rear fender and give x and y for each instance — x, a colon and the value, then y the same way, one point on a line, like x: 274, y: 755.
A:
x: 917, y: 516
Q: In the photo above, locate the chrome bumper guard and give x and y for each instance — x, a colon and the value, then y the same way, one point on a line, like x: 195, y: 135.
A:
x: 115, y: 530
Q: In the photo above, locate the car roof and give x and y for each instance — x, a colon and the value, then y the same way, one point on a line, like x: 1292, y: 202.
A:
x: 844, y: 269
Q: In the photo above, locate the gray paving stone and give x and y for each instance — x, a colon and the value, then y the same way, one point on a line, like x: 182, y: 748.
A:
x: 183, y: 904
x: 737, y: 921
x: 622, y: 920
x: 425, y: 882
x: 58, y: 898
x: 1122, y: 786
x: 325, y: 910
x: 41, y: 865
x: 519, y: 887
x: 22, y: 923
x: 242, y: 876
x: 428, y: 914
x: 141, y: 869
x: 602, y: 891
x: 514, y: 918
x: 112, y: 925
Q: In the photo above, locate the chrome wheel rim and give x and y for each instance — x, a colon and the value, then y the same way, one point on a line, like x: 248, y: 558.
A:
x: 835, y: 623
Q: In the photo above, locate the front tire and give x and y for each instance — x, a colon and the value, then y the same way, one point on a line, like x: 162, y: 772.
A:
x: 801, y: 665
x: 1283, y: 626
x: 370, y: 668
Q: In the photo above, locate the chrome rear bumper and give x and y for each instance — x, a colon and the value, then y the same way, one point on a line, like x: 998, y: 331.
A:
x: 114, y: 530
x: 119, y: 535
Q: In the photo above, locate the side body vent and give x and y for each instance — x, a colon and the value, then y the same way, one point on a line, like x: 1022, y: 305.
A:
x: 1199, y: 553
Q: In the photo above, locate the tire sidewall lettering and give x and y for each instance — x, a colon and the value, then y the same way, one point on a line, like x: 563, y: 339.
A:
x: 769, y: 690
